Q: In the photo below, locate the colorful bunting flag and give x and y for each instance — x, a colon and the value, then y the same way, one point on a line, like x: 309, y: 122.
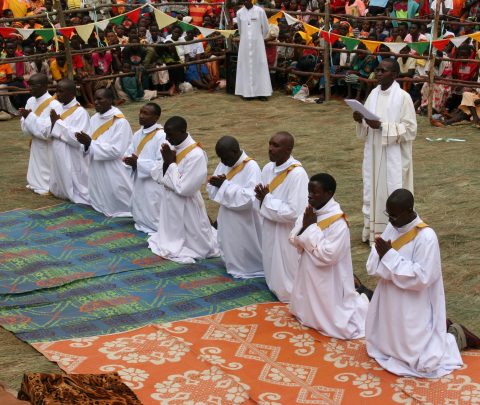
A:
x: 440, y: 44
x: 118, y: 19
x: 67, y: 31
x: 46, y: 33
x: 330, y: 37
x: 458, y: 40
x: 475, y: 36
x: 206, y: 31
x: 310, y: 29
x: 371, y: 45
x: 273, y: 19
x: 103, y: 24
x: 185, y: 26
x: 420, y: 47
x: 5, y: 31
x: 290, y: 19
x: 84, y: 31
x: 163, y: 20
x: 396, y: 47
x: 134, y: 15
x: 227, y: 33
x: 350, y: 43
x: 25, y: 32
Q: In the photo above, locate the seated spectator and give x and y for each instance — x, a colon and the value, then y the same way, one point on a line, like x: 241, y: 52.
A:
x: 6, y: 107
x: 468, y: 110
x: 366, y: 29
x: 405, y: 9
x: 356, y: 8
x: 407, y: 67
x: 153, y: 35
x: 130, y: 88
x: 363, y: 65
x: 59, y: 68
x: 414, y: 34
x: 135, y: 56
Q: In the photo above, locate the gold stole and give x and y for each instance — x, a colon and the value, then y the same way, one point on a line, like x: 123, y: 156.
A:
x: 105, y: 127
x: 44, y: 104
x: 69, y: 112
x: 398, y: 243
x: 185, y: 152
x: 280, y: 178
x: 144, y: 141
x: 325, y: 223
x: 231, y: 174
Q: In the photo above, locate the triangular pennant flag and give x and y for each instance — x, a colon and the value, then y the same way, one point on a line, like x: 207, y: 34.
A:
x: 420, y: 47
x: 25, y: 32
x: 458, y: 40
x: 350, y: 43
x: 67, y: 31
x: 330, y: 37
x: 185, y: 26
x: 206, y: 31
x: 84, y: 31
x: 371, y: 45
x: 134, y: 15
x: 103, y: 24
x: 119, y: 19
x: 46, y: 33
x: 475, y: 36
x: 440, y: 44
x: 310, y: 29
x: 227, y: 33
x: 273, y: 19
x: 396, y: 47
x: 5, y: 31
x: 290, y: 19
x: 163, y: 20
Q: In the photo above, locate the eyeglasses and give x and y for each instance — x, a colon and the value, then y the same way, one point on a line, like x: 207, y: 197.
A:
x: 389, y: 216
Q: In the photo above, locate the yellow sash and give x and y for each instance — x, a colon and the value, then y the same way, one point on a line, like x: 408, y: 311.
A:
x: 280, y: 178
x: 185, y: 152
x: 325, y: 223
x: 408, y: 236
x: 69, y: 112
x: 232, y: 173
x: 44, y: 104
x: 105, y: 127
x: 145, y: 140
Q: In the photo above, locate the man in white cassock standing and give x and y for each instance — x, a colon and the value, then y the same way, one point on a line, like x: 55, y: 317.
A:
x: 406, y: 327
x: 141, y: 156
x: 239, y: 223
x: 35, y: 122
x: 184, y: 232
x: 253, y: 76
x: 387, y: 160
x: 69, y: 175
x: 109, y: 181
x: 324, y: 296
x: 282, y: 196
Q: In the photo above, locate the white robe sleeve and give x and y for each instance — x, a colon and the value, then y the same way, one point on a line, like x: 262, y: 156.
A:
x: 193, y: 176
x: 40, y: 127
x: 145, y: 167
x: 293, y: 234
x: 65, y: 131
x: 282, y: 211
x: 117, y: 143
x: 157, y: 171
x: 406, y: 129
x: 408, y: 274
x: 326, y: 248
x: 264, y: 22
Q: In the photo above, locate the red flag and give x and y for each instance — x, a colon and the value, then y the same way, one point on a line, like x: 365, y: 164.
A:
x: 330, y: 37
x: 6, y: 31
x: 67, y: 31
x: 134, y: 15
x: 440, y: 44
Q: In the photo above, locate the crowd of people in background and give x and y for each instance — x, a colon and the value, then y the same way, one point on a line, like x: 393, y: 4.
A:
x: 351, y: 71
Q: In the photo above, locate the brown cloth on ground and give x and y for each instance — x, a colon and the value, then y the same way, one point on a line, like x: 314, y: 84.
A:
x: 81, y: 389
x: 6, y: 398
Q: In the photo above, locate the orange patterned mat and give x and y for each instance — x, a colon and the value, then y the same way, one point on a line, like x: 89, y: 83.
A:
x: 254, y: 354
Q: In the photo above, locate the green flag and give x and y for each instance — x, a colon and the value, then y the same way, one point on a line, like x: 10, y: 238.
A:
x: 185, y: 26
x: 350, y: 43
x: 118, y: 19
x: 46, y: 33
x: 420, y: 47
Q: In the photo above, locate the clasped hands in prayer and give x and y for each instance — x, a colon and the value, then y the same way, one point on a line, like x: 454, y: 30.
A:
x: 217, y: 181
x: 131, y: 161
x: 24, y: 112
x: 261, y: 192
x: 84, y: 139
x: 382, y: 246
x: 358, y: 117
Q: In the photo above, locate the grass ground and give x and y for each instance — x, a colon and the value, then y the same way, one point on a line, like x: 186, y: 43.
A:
x: 447, y: 185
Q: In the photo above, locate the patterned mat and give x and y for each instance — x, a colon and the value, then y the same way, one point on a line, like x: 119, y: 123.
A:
x: 255, y: 354
x: 101, y: 277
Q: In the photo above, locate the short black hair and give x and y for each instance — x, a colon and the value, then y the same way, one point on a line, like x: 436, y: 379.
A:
x: 395, y: 65
x: 156, y: 107
x: 177, y: 123
x: 326, y: 180
x: 107, y: 92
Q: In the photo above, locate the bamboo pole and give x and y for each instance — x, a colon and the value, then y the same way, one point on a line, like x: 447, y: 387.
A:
x: 431, y: 72
x: 326, y: 53
x: 66, y: 41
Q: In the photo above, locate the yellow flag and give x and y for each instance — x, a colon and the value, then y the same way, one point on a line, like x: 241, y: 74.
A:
x: 163, y: 20
x: 371, y: 45
x: 273, y: 19
x: 226, y: 33
x: 84, y: 31
x: 310, y: 29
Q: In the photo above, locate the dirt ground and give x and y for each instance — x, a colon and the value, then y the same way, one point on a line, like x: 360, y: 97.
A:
x: 447, y: 184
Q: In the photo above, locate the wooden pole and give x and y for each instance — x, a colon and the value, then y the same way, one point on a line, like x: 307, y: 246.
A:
x: 431, y: 72
x: 66, y: 41
x: 326, y: 53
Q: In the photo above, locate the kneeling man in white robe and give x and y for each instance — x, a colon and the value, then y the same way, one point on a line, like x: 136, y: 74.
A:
x: 142, y: 155
x: 109, y: 181
x: 283, y: 196
x: 239, y: 224
x: 184, y: 231
x: 324, y: 296
x: 69, y: 176
x: 406, y: 327
x: 35, y: 122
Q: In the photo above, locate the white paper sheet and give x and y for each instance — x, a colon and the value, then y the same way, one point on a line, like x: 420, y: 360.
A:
x: 357, y: 106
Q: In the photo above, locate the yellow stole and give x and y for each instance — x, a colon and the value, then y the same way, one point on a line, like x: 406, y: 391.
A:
x: 325, y: 223
x: 280, y: 178
x: 232, y: 173
x: 44, y: 104
x: 105, y: 127
x: 69, y: 112
x: 185, y: 152
x: 145, y: 140
x: 398, y: 243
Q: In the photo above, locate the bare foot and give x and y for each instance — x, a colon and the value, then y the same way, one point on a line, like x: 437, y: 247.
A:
x: 171, y: 90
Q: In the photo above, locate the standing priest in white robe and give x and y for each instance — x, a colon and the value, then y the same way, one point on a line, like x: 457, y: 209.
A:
x: 253, y: 76
x: 35, y: 122
x: 406, y: 327
x: 239, y: 223
x: 324, y: 296
x: 184, y: 231
x: 69, y: 175
x: 387, y: 161
x: 142, y: 155
x: 283, y: 196
x: 109, y: 181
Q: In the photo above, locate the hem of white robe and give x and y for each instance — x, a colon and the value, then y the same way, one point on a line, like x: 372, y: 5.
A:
x: 122, y: 214
x: 249, y: 95
x: 144, y: 229
x: 177, y: 259
x: 37, y: 190
x: 236, y: 274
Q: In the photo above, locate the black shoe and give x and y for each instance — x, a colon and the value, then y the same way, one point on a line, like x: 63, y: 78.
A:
x: 263, y: 98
